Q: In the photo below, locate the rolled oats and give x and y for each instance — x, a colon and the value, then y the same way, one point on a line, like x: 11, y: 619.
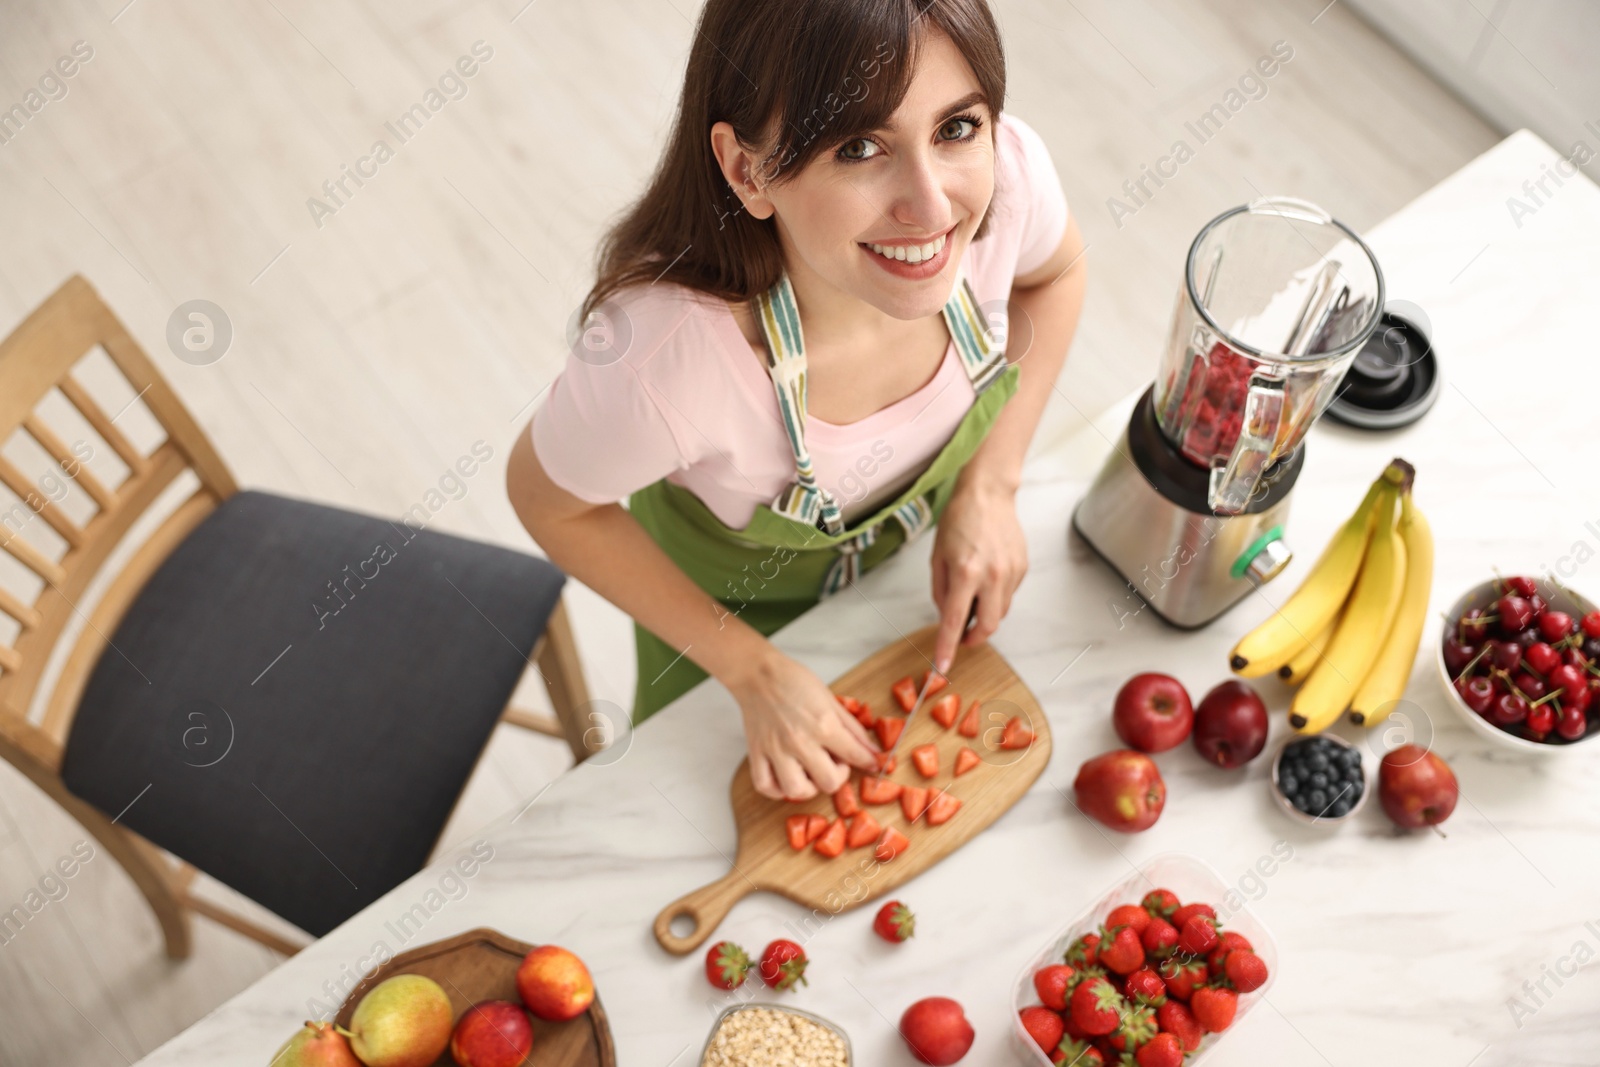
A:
x: 774, y: 1037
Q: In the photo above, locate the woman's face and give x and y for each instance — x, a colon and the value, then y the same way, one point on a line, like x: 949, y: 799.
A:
x: 885, y: 218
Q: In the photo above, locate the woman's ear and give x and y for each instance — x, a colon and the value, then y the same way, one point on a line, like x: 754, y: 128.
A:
x: 741, y: 170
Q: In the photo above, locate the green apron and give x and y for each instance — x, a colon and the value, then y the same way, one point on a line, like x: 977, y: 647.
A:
x: 798, y: 550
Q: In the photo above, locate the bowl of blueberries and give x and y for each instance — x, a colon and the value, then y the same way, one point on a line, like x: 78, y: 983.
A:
x: 1319, y: 780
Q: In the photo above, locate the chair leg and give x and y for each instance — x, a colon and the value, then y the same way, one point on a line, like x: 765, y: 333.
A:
x: 148, y: 868
x: 557, y: 657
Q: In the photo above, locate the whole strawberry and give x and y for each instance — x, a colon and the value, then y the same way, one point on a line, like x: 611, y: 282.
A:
x: 1076, y: 1052
x: 1160, y: 903
x: 1084, y: 952
x: 1096, y: 1007
x: 1137, y: 1026
x: 1052, y: 984
x: 727, y: 965
x: 1176, y: 1019
x: 1226, y: 943
x: 1122, y: 951
x: 1246, y: 970
x: 1163, y: 1050
x: 894, y: 922
x: 1183, y: 914
x: 1160, y: 939
x: 1198, y: 935
x: 1146, y: 987
x: 1213, y: 1008
x: 1182, y: 975
x: 1128, y: 915
x: 783, y: 964
x: 1043, y: 1025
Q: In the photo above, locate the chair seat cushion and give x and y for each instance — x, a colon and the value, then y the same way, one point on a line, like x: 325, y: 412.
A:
x: 305, y: 691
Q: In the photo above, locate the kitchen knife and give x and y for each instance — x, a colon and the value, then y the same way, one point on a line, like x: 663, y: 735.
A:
x: 927, y: 680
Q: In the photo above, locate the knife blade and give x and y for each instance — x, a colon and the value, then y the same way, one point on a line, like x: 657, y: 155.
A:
x: 912, y: 714
x: 927, y: 680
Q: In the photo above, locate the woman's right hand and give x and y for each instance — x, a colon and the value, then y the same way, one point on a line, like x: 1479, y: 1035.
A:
x: 801, y: 739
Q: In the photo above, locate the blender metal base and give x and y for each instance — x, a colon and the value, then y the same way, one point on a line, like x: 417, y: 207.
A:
x: 1176, y: 560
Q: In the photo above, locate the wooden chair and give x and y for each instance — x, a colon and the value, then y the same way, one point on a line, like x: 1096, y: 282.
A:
x: 38, y: 361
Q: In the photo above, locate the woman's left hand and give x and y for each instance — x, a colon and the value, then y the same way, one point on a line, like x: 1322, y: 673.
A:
x: 979, y: 553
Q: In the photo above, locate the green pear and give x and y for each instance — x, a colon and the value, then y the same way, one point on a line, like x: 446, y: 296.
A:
x: 404, y: 1021
x: 316, y: 1045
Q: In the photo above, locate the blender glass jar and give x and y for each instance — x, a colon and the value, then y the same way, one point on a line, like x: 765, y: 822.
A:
x: 1278, y: 298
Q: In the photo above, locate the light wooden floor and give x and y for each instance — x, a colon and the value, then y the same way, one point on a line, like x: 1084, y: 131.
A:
x: 430, y: 311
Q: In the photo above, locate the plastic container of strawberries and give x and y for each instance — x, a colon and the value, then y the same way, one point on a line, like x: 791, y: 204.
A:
x: 1193, y: 880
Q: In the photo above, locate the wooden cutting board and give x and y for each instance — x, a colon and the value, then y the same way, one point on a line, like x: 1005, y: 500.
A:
x: 482, y: 965
x: 764, y: 859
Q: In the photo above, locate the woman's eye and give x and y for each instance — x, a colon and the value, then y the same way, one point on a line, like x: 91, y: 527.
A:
x: 957, y: 130
x: 857, y: 150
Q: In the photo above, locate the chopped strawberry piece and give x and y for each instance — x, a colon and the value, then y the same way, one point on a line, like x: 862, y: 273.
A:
x: 966, y: 759
x: 969, y: 724
x: 945, y: 709
x: 816, y: 826
x: 851, y: 704
x: 795, y: 827
x: 831, y: 843
x: 925, y: 758
x: 893, y: 843
x: 886, y: 762
x: 888, y: 731
x: 879, y: 790
x: 933, y: 682
x: 844, y: 801
x: 865, y: 718
x: 905, y: 694
x: 941, y: 807
x: 913, y: 802
x: 862, y: 830
x: 1015, y: 735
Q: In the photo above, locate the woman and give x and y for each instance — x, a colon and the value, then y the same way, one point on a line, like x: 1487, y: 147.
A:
x: 799, y: 359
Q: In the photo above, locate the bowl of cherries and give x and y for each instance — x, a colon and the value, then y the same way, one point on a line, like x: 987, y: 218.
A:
x: 1521, y: 660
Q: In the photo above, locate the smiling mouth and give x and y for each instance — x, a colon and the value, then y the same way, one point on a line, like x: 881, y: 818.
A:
x: 911, y: 253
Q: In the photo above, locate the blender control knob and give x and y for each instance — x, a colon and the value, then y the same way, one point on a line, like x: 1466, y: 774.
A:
x: 1269, y: 561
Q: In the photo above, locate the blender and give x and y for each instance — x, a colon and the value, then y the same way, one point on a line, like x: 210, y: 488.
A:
x: 1277, y: 299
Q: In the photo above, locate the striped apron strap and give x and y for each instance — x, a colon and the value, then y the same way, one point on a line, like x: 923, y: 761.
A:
x: 980, y: 343
x: 803, y: 499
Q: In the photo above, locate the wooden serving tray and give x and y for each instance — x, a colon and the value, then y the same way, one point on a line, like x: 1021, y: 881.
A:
x: 829, y: 886
x: 482, y: 965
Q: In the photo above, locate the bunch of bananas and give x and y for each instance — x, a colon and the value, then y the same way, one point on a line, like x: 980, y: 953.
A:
x: 1349, y: 635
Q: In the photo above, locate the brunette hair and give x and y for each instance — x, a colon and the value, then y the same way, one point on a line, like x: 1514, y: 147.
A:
x: 819, y: 72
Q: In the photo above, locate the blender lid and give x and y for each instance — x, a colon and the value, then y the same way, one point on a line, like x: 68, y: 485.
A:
x: 1393, y: 380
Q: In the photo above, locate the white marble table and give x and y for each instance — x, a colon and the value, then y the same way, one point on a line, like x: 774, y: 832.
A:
x: 1395, y: 949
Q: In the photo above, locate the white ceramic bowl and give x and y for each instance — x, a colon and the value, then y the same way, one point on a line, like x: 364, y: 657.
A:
x: 1192, y: 879
x: 1481, y: 596
x: 1325, y: 821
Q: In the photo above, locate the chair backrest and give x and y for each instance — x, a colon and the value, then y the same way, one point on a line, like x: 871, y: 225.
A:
x: 59, y: 553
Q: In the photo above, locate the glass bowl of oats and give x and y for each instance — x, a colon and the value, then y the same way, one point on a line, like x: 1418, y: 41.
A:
x: 765, y: 1035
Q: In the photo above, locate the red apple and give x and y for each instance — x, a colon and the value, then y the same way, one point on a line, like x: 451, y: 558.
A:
x: 1152, y: 712
x: 1416, y: 787
x: 936, y: 1030
x: 554, y: 984
x: 1230, y: 725
x: 494, y: 1033
x: 1122, y: 789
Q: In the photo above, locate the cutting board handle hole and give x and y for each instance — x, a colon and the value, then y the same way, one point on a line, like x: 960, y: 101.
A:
x: 684, y: 925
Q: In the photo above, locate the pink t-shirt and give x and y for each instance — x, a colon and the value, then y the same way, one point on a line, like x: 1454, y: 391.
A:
x: 688, y: 400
